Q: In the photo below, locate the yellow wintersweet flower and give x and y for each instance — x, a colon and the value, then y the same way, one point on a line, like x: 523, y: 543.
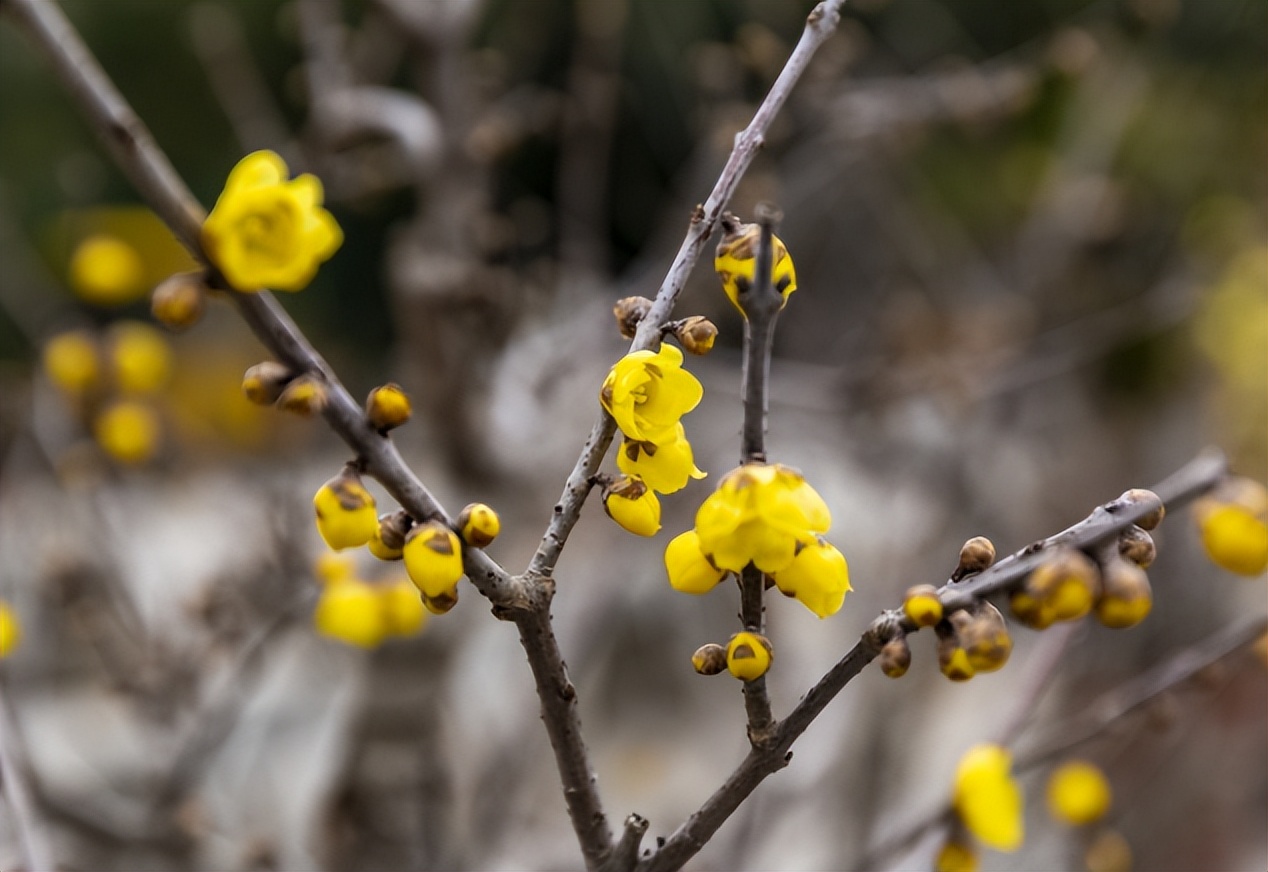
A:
x: 987, y: 799
x: 1078, y: 793
x: 351, y: 611
x: 346, y: 516
x: 633, y: 505
x: 666, y: 468
x: 689, y: 570
x: 433, y: 559
x: 107, y: 271
x: 128, y: 431
x: 759, y: 514
x: 10, y: 629
x: 818, y: 577
x: 266, y: 231
x: 140, y: 357
x: 70, y: 360
x: 736, y: 264
x: 748, y: 656
x: 647, y: 393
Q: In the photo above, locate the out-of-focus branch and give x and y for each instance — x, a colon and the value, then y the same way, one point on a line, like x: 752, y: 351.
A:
x: 1186, y: 484
x: 820, y: 24
x: 37, y: 855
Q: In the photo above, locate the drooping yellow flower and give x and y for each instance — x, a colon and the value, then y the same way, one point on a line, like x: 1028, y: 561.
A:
x: 633, y: 505
x: 689, y: 570
x: 818, y: 577
x: 107, y: 271
x: 987, y: 799
x: 346, y: 516
x: 665, y: 467
x: 433, y: 559
x: 10, y: 629
x: 140, y: 357
x: 266, y: 231
x: 736, y: 263
x: 71, y: 361
x: 128, y: 431
x: 1078, y: 793
x: 748, y: 656
x: 351, y: 611
x: 647, y: 393
x: 759, y: 514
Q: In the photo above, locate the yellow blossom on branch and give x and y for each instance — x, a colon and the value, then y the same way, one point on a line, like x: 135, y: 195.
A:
x: 647, y: 393
x: 268, y: 231
x: 666, y: 468
x: 987, y: 799
x: 818, y: 577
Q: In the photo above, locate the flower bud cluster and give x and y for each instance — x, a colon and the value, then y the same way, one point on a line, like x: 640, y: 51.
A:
x: 365, y: 613
x: 767, y: 515
x: 113, y: 381
x: 747, y: 656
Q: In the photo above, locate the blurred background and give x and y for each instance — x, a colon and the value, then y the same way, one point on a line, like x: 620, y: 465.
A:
x: 1032, y: 251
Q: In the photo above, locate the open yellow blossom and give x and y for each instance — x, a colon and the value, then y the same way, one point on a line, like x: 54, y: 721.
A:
x: 666, y: 468
x: 266, y: 231
x: 128, y: 431
x: 346, y: 516
x: 689, y: 570
x: 1078, y: 793
x: 433, y: 559
x: 140, y: 357
x: 647, y: 393
x: 759, y: 514
x: 633, y: 505
x: 818, y: 577
x: 987, y: 799
x: 10, y: 629
x: 736, y: 263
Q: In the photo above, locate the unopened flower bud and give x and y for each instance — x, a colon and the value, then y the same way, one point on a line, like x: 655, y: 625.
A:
x: 304, y: 396
x: 387, y: 407
x: 1141, y: 496
x: 433, y: 559
x: 443, y: 602
x: 1233, y: 522
x: 479, y: 525
x: 633, y: 505
x: 629, y: 311
x: 264, y: 382
x: 896, y: 657
x: 953, y: 660
x: 1068, y: 582
x: 956, y: 857
x: 1031, y: 610
x: 709, y: 659
x: 1137, y: 546
x: 984, y: 636
x: 748, y: 656
x: 1126, y: 598
x: 976, y: 555
x: 696, y: 334
x: 1108, y: 852
x: 345, y: 511
x: 179, y: 301
x: 388, y: 541
x: 922, y: 606
x: 1078, y: 793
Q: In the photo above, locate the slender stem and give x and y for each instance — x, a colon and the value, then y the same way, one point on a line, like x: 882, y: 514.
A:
x: 820, y: 25
x: 37, y: 854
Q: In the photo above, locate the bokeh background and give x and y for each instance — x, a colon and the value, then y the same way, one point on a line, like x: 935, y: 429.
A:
x: 1032, y: 249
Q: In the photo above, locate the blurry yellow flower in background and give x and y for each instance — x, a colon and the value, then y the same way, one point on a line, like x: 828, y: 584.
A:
x: 140, y: 357
x: 71, y: 362
x: 128, y: 431
x: 266, y: 231
x: 107, y: 271
x: 1078, y: 793
x: 987, y: 798
x: 10, y: 629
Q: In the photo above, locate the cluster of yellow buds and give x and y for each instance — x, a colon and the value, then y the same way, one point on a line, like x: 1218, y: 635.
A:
x: 1233, y: 522
x: 365, y: 613
x: 767, y: 515
x: 268, y: 231
x: 747, y: 656
x: 647, y: 393
x: 112, y: 380
x: 274, y: 384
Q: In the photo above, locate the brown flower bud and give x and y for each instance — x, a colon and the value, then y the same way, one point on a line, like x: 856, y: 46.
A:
x: 629, y: 311
x: 304, y: 396
x: 264, y: 382
x: 478, y: 525
x: 984, y: 637
x: 1126, y: 598
x: 953, y: 660
x: 896, y: 657
x: 387, y: 407
x: 696, y: 334
x: 922, y: 606
x: 388, y: 541
x: 179, y: 301
x: 1137, y: 546
x: 976, y: 555
x: 1068, y: 582
x: 1149, y: 498
x: 709, y: 659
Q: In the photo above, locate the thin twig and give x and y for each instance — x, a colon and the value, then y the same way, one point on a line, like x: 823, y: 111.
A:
x: 821, y: 23
x: 1189, y: 482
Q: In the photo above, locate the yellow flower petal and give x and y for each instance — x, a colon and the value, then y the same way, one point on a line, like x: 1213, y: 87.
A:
x: 818, y: 577
x: 666, y: 468
x: 647, y: 393
x: 689, y: 570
